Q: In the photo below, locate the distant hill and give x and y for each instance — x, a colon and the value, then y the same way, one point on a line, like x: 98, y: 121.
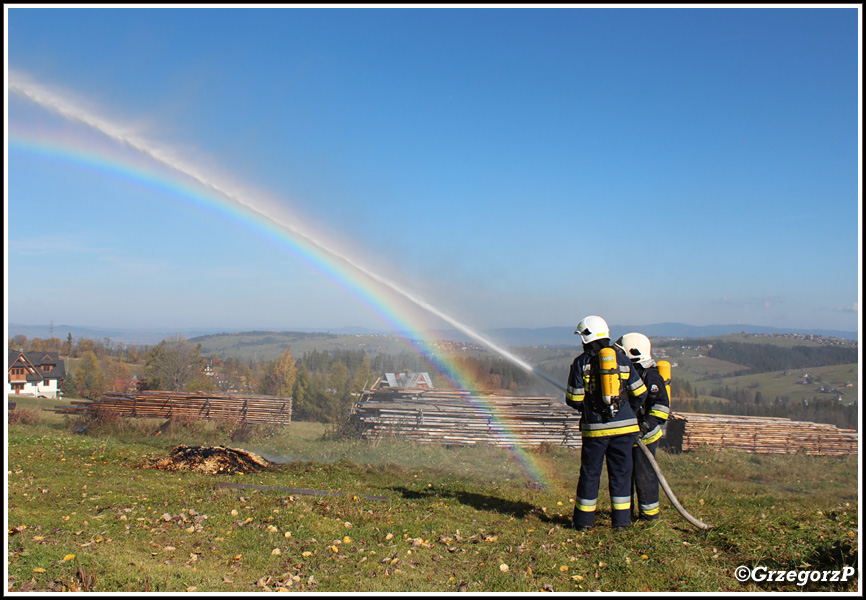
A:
x: 138, y: 337
x: 564, y: 336
x: 508, y: 336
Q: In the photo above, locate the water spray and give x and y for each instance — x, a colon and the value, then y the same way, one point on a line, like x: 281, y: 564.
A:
x: 71, y: 111
x: 164, y: 156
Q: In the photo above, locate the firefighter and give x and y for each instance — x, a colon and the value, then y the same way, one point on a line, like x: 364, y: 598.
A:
x: 606, y: 389
x: 652, y: 419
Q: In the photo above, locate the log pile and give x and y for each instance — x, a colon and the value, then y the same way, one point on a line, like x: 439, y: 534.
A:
x: 200, y: 406
x: 763, y: 435
x: 463, y: 419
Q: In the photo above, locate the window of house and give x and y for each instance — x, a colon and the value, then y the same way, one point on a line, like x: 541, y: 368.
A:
x: 46, y: 382
x: 17, y: 387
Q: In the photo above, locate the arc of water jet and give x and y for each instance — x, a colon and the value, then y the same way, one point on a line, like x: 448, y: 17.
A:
x: 69, y: 110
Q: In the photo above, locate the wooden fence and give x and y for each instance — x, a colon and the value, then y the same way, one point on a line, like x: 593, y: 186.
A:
x: 202, y: 406
x: 460, y: 418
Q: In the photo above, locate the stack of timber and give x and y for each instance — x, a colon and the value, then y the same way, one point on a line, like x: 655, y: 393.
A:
x: 462, y: 418
x: 761, y: 435
x: 202, y: 406
x: 465, y: 419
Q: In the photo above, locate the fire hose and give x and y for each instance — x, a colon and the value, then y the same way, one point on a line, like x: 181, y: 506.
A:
x: 655, y: 466
x: 668, y: 491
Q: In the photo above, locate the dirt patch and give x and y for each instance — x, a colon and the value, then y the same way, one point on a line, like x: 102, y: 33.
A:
x: 211, y: 460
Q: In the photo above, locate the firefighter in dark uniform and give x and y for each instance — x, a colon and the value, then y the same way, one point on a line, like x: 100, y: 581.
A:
x: 652, y: 418
x: 608, y: 425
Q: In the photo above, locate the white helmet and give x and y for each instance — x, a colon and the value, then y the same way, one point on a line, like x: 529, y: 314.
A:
x: 592, y: 328
x: 637, y: 347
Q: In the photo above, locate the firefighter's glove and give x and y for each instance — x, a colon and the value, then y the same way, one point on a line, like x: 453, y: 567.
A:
x: 645, y: 428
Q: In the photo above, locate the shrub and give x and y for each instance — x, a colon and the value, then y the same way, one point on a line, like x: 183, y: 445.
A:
x: 23, y: 416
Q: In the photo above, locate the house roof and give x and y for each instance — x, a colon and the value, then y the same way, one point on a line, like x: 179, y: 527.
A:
x: 39, y: 365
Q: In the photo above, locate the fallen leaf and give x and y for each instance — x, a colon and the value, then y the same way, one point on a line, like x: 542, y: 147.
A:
x: 503, y: 567
x: 68, y: 557
x: 38, y: 570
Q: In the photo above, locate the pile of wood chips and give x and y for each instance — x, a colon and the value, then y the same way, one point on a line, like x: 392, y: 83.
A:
x: 212, y: 460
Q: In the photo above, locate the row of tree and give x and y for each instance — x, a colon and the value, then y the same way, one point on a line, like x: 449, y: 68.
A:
x: 324, y: 385
x: 77, y: 347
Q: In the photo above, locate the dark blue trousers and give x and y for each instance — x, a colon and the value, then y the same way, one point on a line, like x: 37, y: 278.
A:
x: 617, y: 451
x: 646, y: 484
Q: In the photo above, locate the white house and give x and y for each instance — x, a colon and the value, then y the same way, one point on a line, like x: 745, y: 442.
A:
x: 35, y: 374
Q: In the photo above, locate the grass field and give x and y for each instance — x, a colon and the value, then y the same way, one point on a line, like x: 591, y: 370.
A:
x: 782, y: 383
x: 85, y: 514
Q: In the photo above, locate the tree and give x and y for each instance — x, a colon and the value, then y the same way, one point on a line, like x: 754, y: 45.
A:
x: 363, y: 375
x: 280, y: 376
x: 172, y: 364
x: 300, y: 394
x: 115, y: 371
x: 89, y: 378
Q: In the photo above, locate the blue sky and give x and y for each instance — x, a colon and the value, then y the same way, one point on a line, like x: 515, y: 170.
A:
x: 514, y: 167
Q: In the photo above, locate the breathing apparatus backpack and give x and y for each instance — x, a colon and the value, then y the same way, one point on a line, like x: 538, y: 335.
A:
x: 612, y: 390
x: 664, y: 368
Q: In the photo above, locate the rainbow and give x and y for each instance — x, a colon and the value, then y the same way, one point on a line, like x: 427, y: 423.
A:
x: 386, y: 308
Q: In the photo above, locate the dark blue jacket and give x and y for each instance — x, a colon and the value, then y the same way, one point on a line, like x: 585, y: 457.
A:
x: 657, y: 406
x: 584, y: 394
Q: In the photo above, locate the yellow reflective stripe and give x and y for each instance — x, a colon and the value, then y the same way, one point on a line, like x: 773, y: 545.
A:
x: 621, y: 505
x: 652, y: 511
x: 653, y: 437
x: 641, y: 389
x: 574, y: 397
x: 583, y: 508
x: 611, y: 431
x: 659, y: 414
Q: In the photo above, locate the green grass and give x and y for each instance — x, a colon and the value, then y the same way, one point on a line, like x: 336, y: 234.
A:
x: 453, y: 519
